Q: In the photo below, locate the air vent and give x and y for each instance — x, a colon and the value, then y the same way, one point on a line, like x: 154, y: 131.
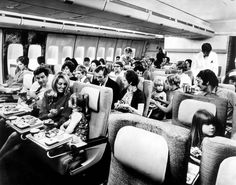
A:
x: 53, y: 22
x: 163, y: 16
x: 210, y: 31
x: 185, y: 23
x: 130, y: 5
x: 12, y: 16
x: 32, y: 19
x: 68, y: 24
x: 198, y: 27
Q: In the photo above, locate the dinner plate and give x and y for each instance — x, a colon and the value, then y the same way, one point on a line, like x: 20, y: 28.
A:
x: 12, y: 117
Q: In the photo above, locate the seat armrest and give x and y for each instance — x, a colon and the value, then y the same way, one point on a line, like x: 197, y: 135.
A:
x: 73, y: 149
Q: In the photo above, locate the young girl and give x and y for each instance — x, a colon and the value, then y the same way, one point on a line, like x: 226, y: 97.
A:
x: 157, y: 95
x: 79, y: 119
x: 204, y: 124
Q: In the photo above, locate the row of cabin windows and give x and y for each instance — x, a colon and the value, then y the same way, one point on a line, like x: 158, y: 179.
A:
x: 16, y: 50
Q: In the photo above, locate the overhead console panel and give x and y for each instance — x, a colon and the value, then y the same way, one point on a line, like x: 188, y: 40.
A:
x: 154, y: 12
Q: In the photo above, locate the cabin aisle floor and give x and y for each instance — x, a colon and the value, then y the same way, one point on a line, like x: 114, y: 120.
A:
x: 16, y: 170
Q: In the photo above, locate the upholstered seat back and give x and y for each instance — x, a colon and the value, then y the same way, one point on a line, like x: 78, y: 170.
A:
x: 189, y: 107
x: 220, y: 106
x: 126, y: 166
x: 134, y: 147
x: 100, y: 99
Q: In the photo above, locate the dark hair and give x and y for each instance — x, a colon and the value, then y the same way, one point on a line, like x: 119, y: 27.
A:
x: 87, y: 59
x: 41, y: 69
x: 24, y: 60
x: 131, y: 77
x: 118, y: 57
x: 231, y: 75
x: 200, y: 118
x: 73, y: 60
x: 189, y: 61
x: 119, y: 63
x: 68, y: 64
x: 206, y: 47
x: 103, y: 69
x: 98, y: 63
x: 102, y: 61
x: 139, y: 68
x: 208, y: 76
x: 41, y: 60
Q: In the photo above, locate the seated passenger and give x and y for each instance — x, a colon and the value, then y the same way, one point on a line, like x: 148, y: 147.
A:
x: 208, y: 84
x: 173, y: 83
x: 101, y: 78
x: 80, y: 74
x: 78, y: 124
x: 55, y: 101
x: 159, y: 95
x: 67, y: 68
x: 38, y: 88
x: 204, y: 124
x: 17, y: 80
x: 132, y: 99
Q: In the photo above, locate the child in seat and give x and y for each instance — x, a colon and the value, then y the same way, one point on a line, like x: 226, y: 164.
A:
x: 157, y: 95
x: 78, y: 124
x: 204, y: 124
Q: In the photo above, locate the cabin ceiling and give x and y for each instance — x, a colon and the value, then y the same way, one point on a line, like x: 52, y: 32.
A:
x: 206, y: 10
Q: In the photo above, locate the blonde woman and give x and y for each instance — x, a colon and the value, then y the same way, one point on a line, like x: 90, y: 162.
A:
x: 55, y: 101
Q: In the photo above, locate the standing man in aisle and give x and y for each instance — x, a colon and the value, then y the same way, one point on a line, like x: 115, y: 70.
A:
x: 206, y: 59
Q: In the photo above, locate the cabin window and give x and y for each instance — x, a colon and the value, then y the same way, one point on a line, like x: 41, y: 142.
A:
x: 101, y: 53
x: 110, y: 53
x: 35, y: 51
x: 79, y: 55
x: 14, y: 51
x: 91, y: 53
x: 118, y: 51
x: 52, y: 55
x: 66, y: 52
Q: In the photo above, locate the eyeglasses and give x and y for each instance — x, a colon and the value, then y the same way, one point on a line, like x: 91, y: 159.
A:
x: 116, y: 66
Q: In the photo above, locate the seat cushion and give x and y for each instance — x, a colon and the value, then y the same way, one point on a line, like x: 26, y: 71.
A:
x: 143, y: 151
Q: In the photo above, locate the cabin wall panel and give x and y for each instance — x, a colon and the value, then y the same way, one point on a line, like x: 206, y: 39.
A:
x: 23, y: 37
x: 107, y: 43
x: 86, y: 42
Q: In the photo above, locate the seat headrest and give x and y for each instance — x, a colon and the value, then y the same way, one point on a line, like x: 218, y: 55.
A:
x: 143, y: 151
x: 94, y: 95
x: 188, y: 107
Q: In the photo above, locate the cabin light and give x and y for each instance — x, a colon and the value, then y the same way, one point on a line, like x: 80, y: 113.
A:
x: 13, y: 6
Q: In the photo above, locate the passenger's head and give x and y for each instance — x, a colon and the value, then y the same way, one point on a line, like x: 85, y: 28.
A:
x: 102, y: 61
x: 41, y: 60
x: 206, y: 78
x: 139, y: 70
x: 173, y: 81
x: 68, y: 67
x: 206, y: 49
x: 117, y: 58
x: 79, y: 101
x: 80, y: 71
x: 101, y: 73
x: 188, y: 62
x: 41, y: 75
x: 118, y: 66
x: 22, y: 62
x: 94, y: 65
x: 204, y: 124
x: 60, y: 83
x: 86, y: 61
x: 158, y: 85
x: 131, y: 78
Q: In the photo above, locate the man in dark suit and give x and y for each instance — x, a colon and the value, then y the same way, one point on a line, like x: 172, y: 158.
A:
x: 101, y: 78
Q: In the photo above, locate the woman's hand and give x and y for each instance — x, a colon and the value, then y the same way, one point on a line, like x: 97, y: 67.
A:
x: 52, y: 113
